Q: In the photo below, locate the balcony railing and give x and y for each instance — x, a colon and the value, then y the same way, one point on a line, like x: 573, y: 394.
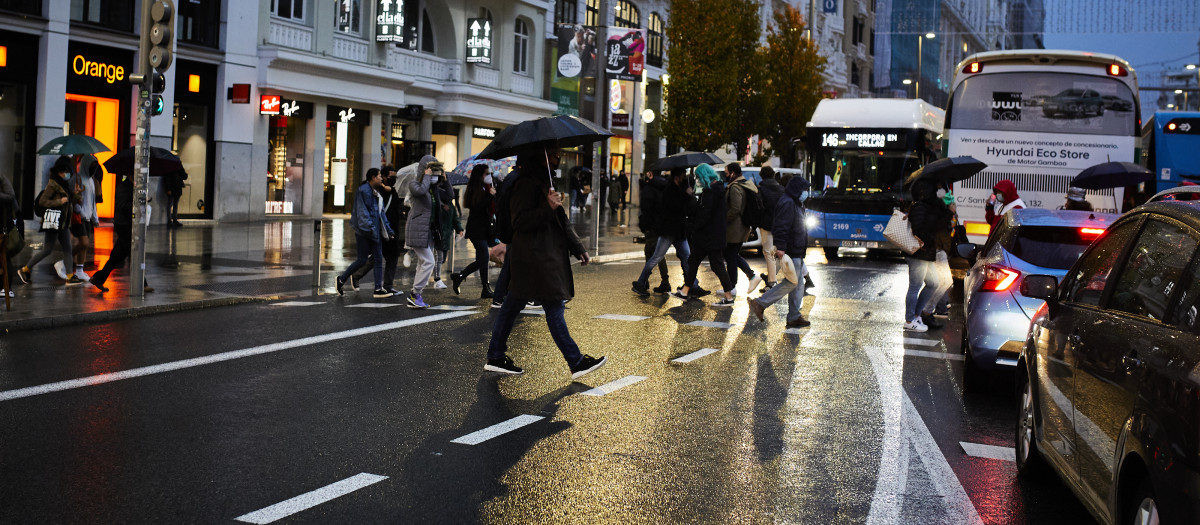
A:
x: 486, y: 77
x: 349, y: 47
x: 414, y: 64
x: 291, y: 35
x: 522, y: 84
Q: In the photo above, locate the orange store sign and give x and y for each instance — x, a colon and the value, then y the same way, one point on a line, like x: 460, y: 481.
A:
x: 81, y: 66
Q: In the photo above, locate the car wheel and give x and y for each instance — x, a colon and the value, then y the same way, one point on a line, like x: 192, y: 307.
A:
x: 1144, y: 507
x: 1030, y: 463
x: 831, y: 252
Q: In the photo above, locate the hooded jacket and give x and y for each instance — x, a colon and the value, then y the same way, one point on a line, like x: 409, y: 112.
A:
x: 788, y: 230
x: 650, y: 208
x: 736, y: 193
x: 706, y: 219
x: 929, y: 218
x: 418, y: 229
x: 1012, y: 201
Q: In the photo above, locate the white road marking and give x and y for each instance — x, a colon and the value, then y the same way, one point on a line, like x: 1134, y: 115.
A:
x: 694, y: 355
x: 532, y: 311
x: 711, y: 324
x: 479, y: 436
x: 100, y: 379
x: 373, y: 305
x: 309, y: 500
x: 935, y: 355
x: 297, y: 303
x: 613, y: 386
x: 621, y: 317
x: 920, y: 342
x: 456, y: 308
x: 619, y: 263
x: 980, y: 450
x: 795, y: 331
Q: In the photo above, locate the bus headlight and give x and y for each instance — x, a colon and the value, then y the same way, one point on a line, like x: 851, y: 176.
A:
x: 810, y: 222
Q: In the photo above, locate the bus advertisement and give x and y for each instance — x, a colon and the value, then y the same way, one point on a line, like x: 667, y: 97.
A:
x: 1170, y: 142
x: 1039, y: 117
x: 860, y: 152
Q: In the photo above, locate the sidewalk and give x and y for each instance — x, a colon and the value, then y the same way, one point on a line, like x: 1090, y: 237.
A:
x: 206, y: 264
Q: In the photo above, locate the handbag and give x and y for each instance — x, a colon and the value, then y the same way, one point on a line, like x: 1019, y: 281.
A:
x: 51, y: 220
x: 14, y: 242
x: 899, y: 232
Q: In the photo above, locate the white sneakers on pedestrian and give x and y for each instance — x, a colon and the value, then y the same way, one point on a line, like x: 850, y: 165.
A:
x: 750, y: 288
x: 61, y: 270
x: 439, y: 284
x: 915, y: 326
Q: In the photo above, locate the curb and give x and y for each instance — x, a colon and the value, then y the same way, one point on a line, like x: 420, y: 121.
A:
x: 125, y: 313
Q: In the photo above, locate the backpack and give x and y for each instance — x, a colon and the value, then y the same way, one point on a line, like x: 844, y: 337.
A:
x: 754, y: 214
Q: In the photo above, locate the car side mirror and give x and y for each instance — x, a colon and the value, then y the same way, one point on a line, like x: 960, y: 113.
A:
x: 968, y: 251
x: 1044, y: 287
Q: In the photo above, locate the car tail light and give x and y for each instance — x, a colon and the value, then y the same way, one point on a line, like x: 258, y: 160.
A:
x: 1090, y: 233
x: 1117, y: 71
x: 998, y: 278
x: 973, y: 67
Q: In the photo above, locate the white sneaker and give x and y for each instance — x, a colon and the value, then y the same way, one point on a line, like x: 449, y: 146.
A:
x: 83, y: 276
x: 915, y: 326
x: 61, y: 269
x: 750, y: 288
x: 439, y: 284
x: 407, y: 260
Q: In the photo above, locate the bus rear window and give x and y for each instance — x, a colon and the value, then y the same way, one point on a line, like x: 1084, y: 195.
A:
x: 1044, y: 102
x: 1054, y: 247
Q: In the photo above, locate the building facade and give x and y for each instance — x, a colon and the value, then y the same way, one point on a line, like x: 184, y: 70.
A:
x: 843, y: 32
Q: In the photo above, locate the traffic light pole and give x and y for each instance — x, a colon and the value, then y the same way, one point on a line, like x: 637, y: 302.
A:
x: 154, y: 55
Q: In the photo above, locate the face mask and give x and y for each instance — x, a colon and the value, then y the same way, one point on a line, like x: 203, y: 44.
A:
x: 487, y: 179
x: 999, y: 197
x: 804, y: 195
x: 434, y: 178
x: 941, y: 193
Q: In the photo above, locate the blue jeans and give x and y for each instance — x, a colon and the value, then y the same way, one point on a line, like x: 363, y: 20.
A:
x: 793, y: 291
x: 660, y: 251
x: 367, y: 248
x: 923, y: 285
x: 554, y: 321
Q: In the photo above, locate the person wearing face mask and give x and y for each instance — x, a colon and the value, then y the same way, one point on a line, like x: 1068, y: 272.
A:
x: 1004, y: 198
x: 371, y: 229
x: 480, y: 197
x: 445, y: 223
x: 396, y: 214
x: 60, y: 195
x: 791, y: 243
x: 930, y: 221
x: 418, y: 232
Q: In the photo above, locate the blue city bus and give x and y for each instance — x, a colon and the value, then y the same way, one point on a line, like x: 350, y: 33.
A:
x: 860, y: 151
x: 1171, y: 149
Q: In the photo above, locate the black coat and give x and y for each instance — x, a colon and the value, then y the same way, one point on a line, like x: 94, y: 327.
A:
x: 673, y: 217
x: 650, y: 206
x: 930, y: 219
x: 539, y: 256
x: 770, y: 190
x: 706, y: 219
x: 479, y: 221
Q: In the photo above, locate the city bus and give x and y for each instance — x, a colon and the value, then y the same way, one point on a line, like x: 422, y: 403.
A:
x: 1038, y: 117
x: 860, y: 152
x: 1171, y: 149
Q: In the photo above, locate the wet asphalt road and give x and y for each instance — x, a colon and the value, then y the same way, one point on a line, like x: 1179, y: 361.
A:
x: 228, y: 413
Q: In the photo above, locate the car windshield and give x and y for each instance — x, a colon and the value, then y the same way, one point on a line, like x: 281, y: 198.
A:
x: 1056, y: 247
x: 864, y: 171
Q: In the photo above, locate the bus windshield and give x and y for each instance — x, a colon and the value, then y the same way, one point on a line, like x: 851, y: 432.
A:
x: 848, y: 171
x: 1045, y: 102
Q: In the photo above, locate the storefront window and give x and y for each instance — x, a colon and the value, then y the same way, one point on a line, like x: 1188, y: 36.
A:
x: 110, y: 14
x: 285, y: 175
x: 98, y: 118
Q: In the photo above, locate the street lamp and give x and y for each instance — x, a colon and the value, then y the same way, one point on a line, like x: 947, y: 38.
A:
x: 906, y: 82
x: 920, y: 56
x: 1191, y: 67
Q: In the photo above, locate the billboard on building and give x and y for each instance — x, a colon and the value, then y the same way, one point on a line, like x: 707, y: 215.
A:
x: 574, y: 58
x: 625, y: 53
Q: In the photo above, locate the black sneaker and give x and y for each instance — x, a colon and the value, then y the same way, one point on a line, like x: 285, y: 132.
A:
x: 798, y: 323
x: 341, y: 284
x: 678, y: 294
x: 931, y: 321
x: 496, y: 303
x: 381, y: 293
x: 641, y: 290
x: 698, y: 292
x: 393, y: 292
x: 587, y: 364
x: 504, y: 366
x: 354, y: 282
x: 724, y: 302
x: 663, y: 288
x: 808, y: 283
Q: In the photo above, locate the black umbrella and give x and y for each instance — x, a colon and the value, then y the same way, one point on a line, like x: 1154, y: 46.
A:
x: 949, y: 170
x: 72, y: 145
x: 162, y: 162
x: 1111, y: 175
x: 686, y: 159
x: 563, y: 131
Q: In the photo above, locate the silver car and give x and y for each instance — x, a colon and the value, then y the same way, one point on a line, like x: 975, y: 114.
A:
x: 1024, y: 242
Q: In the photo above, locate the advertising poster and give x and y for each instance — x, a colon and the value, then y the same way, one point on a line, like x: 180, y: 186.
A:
x: 574, y: 58
x: 625, y: 53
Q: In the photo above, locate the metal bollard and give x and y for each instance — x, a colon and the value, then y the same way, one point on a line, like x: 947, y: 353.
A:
x: 316, y: 265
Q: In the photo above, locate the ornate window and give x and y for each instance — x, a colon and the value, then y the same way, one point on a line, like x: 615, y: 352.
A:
x: 654, y: 53
x: 289, y: 9
x: 521, y: 46
x: 349, y: 16
x: 592, y: 16
x: 627, y: 15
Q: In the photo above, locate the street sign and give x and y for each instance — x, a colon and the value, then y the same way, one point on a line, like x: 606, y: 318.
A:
x: 479, y: 41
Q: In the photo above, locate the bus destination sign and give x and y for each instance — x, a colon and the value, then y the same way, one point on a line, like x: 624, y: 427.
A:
x: 862, y: 139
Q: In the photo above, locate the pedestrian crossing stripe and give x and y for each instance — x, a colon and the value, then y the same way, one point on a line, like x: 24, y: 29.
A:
x: 297, y: 303
x: 711, y: 324
x: 311, y: 499
x: 797, y: 331
x: 479, y: 436
x: 534, y: 311
x: 920, y: 342
x: 373, y: 305
x: 989, y: 451
x: 935, y: 355
x: 613, y: 386
x: 694, y: 355
x: 452, y: 307
x: 620, y: 317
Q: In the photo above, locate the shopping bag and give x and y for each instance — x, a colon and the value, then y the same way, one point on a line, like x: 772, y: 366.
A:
x: 899, y: 231
x: 51, y: 220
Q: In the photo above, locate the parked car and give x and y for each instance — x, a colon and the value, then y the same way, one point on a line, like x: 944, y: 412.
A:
x: 1116, y: 103
x: 1108, y: 383
x: 1026, y: 241
x: 1074, y: 103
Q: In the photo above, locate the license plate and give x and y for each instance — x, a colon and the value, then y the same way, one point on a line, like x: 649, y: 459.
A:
x: 860, y: 244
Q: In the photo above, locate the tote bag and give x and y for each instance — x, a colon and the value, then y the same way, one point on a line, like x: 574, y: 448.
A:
x: 899, y: 231
x: 51, y: 220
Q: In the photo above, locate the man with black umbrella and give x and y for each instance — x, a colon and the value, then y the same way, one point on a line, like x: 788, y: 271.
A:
x: 539, y: 262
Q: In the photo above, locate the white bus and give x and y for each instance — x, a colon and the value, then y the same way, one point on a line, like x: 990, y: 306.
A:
x: 1038, y: 117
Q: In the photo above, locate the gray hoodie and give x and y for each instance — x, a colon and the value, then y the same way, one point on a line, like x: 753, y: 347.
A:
x: 417, y: 232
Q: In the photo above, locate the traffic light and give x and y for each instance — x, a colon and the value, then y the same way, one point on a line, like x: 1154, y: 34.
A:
x: 157, y: 105
x: 162, y: 20
x: 158, y: 82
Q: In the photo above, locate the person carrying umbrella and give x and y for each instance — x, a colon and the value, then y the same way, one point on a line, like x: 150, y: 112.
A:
x: 122, y: 232
x: 539, y: 254
x: 1077, y: 200
x: 57, y: 195
x: 418, y: 232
